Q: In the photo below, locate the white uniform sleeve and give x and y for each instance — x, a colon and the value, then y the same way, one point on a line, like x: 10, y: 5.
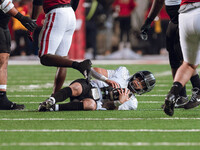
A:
x: 131, y: 104
x: 6, y: 5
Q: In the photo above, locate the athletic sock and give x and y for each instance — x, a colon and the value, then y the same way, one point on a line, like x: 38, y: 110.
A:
x: 71, y: 106
x: 183, y: 92
x: 195, y: 80
x: 62, y: 94
x: 176, y: 88
x: 5, y: 104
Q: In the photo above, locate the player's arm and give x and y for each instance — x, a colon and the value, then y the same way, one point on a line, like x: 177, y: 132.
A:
x: 123, y: 97
x: 37, y: 9
x: 8, y: 7
x: 102, y: 74
x: 154, y: 11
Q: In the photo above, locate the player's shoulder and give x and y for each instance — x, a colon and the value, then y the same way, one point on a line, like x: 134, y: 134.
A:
x: 121, y: 68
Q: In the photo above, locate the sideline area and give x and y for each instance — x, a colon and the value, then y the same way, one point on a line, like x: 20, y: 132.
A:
x: 147, y: 59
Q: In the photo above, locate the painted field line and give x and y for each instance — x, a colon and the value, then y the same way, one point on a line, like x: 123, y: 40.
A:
x: 150, y: 102
x: 103, y: 144
x: 100, y: 130
x: 49, y: 95
x: 91, y: 119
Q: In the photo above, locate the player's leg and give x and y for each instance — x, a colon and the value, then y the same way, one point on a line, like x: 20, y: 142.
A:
x: 189, y: 43
x: 85, y: 104
x: 79, y: 89
x: 175, y: 58
x: 54, y: 44
x: 59, y: 79
x: 5, y: 104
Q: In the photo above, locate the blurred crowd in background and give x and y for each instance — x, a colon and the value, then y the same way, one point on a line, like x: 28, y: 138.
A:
x: 110, y: 30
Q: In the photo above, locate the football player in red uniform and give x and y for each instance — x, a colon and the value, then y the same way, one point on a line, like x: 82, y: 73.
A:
x: 56, y: 36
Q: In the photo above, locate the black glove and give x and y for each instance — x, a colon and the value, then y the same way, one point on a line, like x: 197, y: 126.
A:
x: 145, y: 28
x: 26, y: 21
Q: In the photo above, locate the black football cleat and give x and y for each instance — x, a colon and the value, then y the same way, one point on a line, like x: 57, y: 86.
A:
x: 195, y: 99
x: 5, y: 104
x: 17, y: 106
x: 181, y: 101
x: 85, y: 67
x: 47, y: 105
x: 169, y: 104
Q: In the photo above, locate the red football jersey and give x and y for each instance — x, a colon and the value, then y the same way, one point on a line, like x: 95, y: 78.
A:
x: 189, y: 1
x: 50, y: 3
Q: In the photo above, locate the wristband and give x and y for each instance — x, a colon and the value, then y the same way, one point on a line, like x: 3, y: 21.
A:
x: 19, y: 16
x: 117, y: 103
x: 103, y: 78
x: 6, y: 6
x: 98, y: 75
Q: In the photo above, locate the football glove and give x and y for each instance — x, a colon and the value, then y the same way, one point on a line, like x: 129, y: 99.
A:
x: 145, y: 28
x: 26, y: 21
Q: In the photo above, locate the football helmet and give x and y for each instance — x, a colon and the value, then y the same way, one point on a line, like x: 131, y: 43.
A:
x: 146, y: 78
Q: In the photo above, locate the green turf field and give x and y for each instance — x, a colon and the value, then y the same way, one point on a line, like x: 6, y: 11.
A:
x: 146, y: 128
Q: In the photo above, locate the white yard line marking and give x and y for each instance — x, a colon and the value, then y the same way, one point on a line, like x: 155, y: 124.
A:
x: 152, y: 102
x: 100, y: 130
x: 49, y: 95
x: 91, y: 119
x: 103, y: 144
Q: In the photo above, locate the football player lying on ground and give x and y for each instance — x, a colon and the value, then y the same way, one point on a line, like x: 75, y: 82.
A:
x: 113, y: 89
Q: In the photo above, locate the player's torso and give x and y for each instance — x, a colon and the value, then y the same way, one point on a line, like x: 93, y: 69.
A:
x: 47, y: 4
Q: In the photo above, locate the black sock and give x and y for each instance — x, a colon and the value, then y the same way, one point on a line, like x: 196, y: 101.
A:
x: 195, y: 81
x: 5, y: 104
x: 176, y: 88
x: 71, y: 106
x: 183, y: 92
x: 62, y: 94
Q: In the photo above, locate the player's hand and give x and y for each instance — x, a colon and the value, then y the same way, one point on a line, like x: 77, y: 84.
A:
x: 123, y: 95
x: 29, y: 24
x: 26, y: 21
x: 145, y: 28
x: 112, y: 83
